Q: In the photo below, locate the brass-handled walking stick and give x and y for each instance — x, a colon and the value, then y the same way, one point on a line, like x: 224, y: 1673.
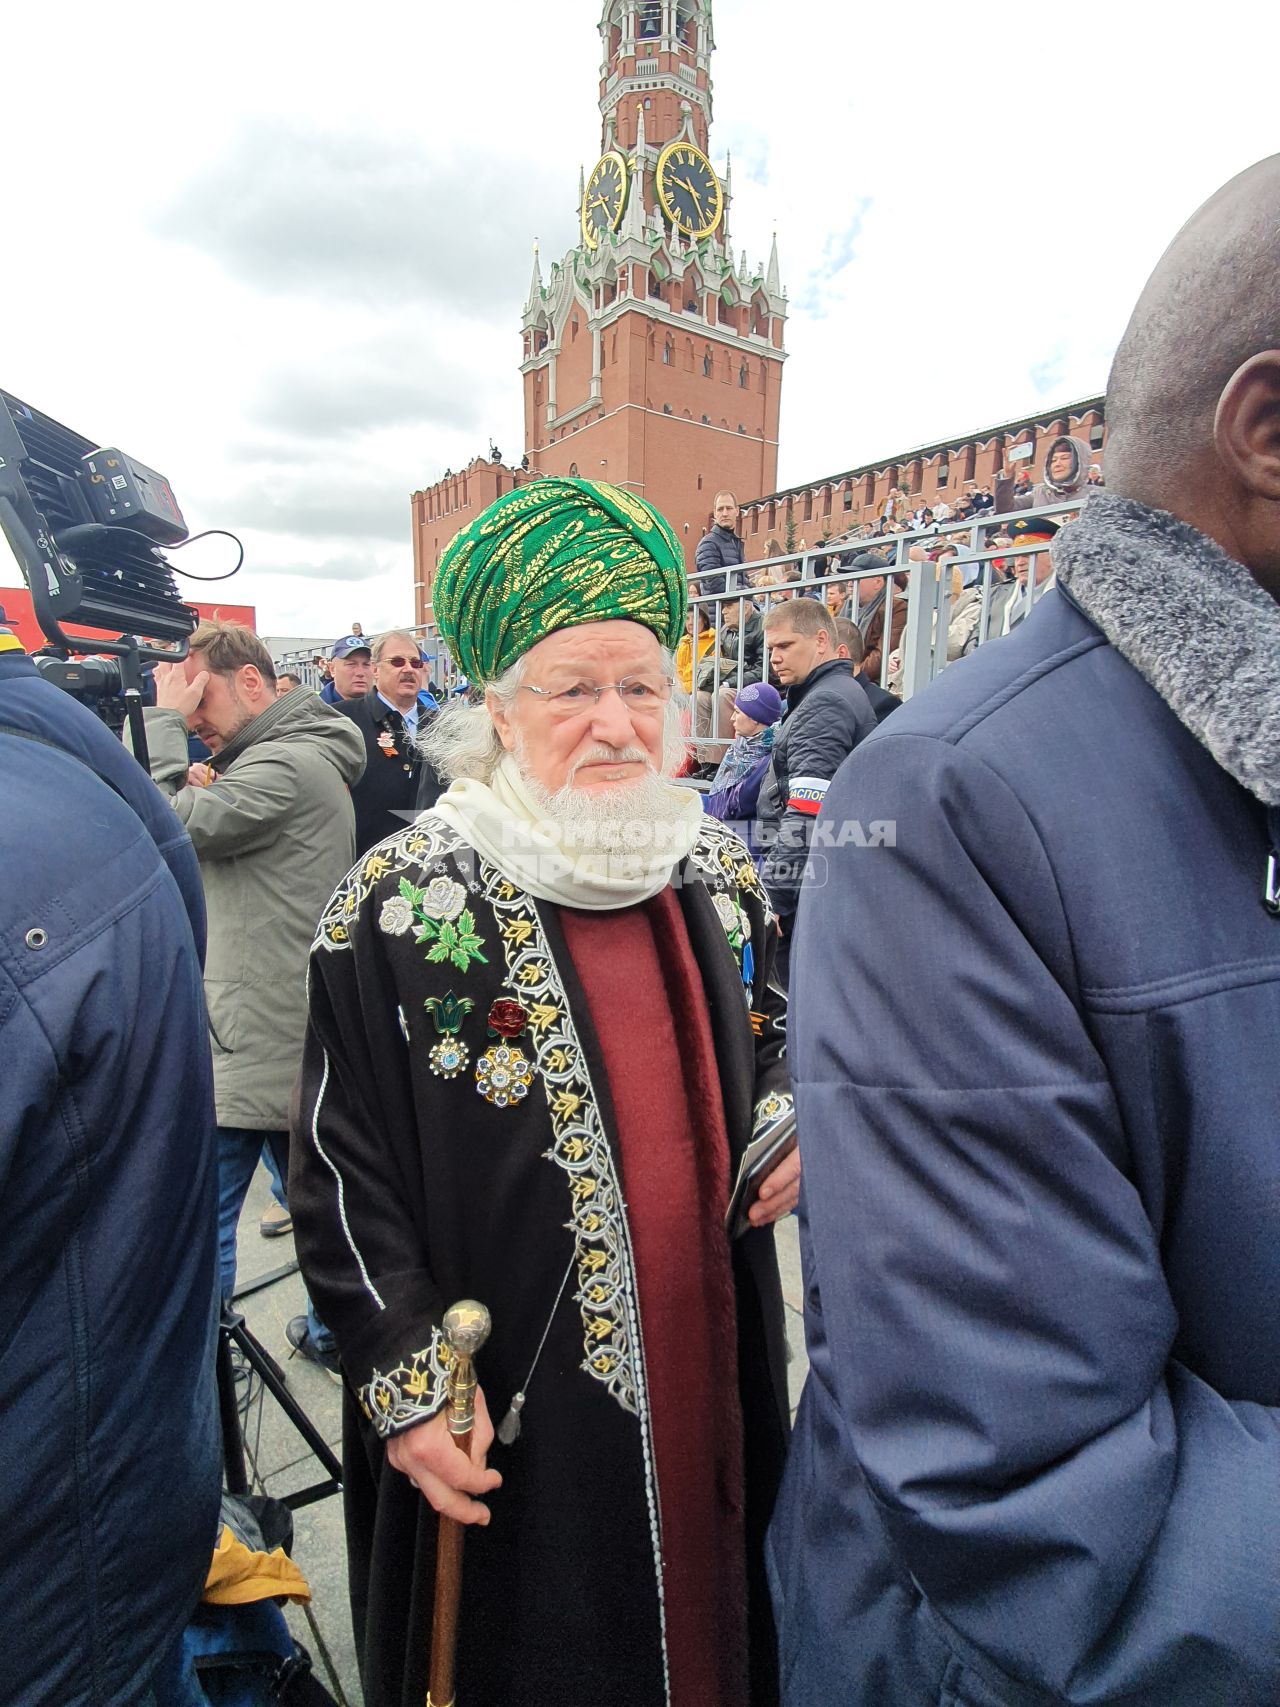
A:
x: 466, y: 1328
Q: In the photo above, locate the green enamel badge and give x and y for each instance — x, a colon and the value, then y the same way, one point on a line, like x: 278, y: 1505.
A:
x: 448, y: 1012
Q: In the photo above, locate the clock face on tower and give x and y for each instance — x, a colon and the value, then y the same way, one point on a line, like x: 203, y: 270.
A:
x: 688, y: 189
x: 604, y: 198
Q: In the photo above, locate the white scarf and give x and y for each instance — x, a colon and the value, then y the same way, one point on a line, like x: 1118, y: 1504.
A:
x: 504, y: 825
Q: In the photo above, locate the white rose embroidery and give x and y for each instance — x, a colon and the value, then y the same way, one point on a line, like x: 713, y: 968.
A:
x: 396, y: 916
x: 443, y: 898
x: 731, y: 916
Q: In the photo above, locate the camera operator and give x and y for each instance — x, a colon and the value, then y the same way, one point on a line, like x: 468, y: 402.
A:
x: 272, y: 823
x: 108, y: 1421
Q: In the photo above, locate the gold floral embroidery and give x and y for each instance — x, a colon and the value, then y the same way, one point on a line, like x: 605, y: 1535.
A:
x: 411, y: 1392
x: 417, y: 844
x: 606, y: 1292
x: 719, y: 857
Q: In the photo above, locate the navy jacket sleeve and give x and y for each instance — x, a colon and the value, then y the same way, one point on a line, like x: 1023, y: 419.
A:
x: 1081, y: 1512
x: 31, y: 704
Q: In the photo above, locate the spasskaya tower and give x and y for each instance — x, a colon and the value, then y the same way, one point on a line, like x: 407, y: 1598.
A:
x: 652, y: 352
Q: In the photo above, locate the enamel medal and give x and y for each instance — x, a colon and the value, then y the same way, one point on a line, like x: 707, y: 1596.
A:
x: 448, y: 1057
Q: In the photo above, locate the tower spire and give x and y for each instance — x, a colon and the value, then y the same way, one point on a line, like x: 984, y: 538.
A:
x: 535, y: 283
x: 773, y: 278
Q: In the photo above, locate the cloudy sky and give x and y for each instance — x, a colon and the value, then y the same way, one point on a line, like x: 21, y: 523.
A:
x: 280, y: 252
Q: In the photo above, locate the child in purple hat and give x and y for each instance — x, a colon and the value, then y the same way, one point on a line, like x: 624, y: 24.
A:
x: 756, y: 709
x: 736, y: 787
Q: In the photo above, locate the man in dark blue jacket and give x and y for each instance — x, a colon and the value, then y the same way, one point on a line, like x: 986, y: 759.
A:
x: 720, y: 549
x: 1034, y: 1047
x: 827, y: 715
x: 108, y: 1426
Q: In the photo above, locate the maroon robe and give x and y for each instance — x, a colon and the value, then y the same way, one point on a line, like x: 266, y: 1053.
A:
x: 636, y: 964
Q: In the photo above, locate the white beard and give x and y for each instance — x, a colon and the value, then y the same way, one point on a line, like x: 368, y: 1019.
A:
x: 628, y: 818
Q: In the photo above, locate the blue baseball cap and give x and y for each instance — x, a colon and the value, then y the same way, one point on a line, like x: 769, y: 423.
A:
x: 350, y: 643
x: 759, y: 701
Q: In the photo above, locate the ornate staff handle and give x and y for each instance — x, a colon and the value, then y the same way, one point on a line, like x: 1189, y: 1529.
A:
x: 465, y: 1328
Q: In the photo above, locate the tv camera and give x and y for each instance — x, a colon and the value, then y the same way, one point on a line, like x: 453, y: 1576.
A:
x: 86, y: 524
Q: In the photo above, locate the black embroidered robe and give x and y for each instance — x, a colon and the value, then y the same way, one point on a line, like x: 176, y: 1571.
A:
x: 411, y: 1188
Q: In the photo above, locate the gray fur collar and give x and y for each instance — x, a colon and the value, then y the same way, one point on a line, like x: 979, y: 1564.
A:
x: 1191, y: 620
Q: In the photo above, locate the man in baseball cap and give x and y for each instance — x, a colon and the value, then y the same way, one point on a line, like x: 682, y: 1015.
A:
x: 350, y: 670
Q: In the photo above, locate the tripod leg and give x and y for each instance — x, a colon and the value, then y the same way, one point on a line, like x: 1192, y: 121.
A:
x: 260, y: 1359
x: 233, y: 1465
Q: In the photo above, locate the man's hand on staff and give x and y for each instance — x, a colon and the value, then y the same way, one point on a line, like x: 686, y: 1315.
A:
x: 779, y: 1192
x: 428, y: 1456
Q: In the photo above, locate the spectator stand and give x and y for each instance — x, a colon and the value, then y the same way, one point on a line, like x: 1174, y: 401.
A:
x: 302, y: 665
x: 929, y: 596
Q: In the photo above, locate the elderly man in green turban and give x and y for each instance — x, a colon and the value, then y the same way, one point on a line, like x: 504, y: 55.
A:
x: 545, y: 1051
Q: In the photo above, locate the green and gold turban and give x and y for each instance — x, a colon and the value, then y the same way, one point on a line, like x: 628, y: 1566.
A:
x: 550, y: 555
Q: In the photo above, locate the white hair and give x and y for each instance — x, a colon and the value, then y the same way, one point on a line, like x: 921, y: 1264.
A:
x: 461, y: 741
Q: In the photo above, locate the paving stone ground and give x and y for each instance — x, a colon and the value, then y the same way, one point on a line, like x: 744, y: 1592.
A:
x: 282, y: 1462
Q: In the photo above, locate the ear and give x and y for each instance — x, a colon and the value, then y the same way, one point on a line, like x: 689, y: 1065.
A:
x: 501, y: 720
x: 1246, y: 425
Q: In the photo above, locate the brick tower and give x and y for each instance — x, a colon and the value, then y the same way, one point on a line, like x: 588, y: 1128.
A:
x: 652, y: 356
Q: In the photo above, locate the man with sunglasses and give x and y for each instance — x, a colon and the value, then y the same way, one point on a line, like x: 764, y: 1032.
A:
x: 543, y: 1035
x: 397, y: 780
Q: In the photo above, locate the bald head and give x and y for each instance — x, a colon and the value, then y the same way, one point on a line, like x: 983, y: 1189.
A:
x: 1193, y: 402
x: 1211, y: 303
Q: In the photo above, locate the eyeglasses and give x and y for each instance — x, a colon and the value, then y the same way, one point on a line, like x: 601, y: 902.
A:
x: 643, y: 696
x: 402, y: 663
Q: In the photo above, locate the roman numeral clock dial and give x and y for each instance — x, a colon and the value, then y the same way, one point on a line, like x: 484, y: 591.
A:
x: 688, y: 190
x: 604, y: 198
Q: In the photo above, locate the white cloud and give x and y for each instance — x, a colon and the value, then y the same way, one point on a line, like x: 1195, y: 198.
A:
x: 281, y: 256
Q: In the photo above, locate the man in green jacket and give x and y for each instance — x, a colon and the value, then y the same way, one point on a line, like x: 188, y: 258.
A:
x: 271, y: 820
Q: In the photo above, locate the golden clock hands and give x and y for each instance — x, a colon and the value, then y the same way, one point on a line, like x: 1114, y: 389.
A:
x: 697, y: 198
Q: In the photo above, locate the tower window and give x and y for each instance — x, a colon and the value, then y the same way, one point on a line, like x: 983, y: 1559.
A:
x: 706, y: 364
x: 650, y: 20
x: 666, y: 353
x: 744, y: 376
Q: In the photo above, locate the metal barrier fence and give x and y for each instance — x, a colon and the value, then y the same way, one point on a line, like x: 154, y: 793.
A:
x: 926, y: 588
x: 923, y: 586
